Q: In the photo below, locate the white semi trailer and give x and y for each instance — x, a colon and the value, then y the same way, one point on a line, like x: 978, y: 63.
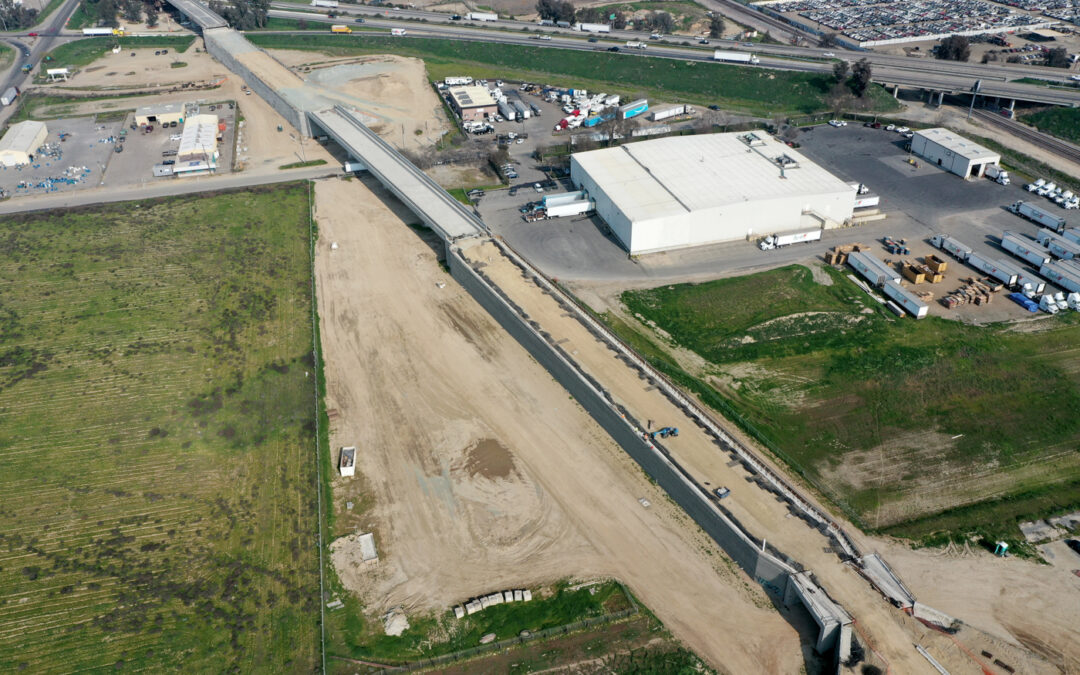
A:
x: 735, y: 57
x: 779, y: 240
x: 906, y: 299
x: 1024, y: 248
x: 951, y: 246
x: 1038, y: 215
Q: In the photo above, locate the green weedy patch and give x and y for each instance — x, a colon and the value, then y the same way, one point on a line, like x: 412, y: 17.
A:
x: 1061, y: 122
x: 745, y: 87
x: 157, y: 436
x: 84, y: 52
x: 904, y: 424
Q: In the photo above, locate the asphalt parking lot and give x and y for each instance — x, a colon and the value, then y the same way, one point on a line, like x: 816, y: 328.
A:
x: 135, y: 165
x: 75, y: 163
x: 919, y: 202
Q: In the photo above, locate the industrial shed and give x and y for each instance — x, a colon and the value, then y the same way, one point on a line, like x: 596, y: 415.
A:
x: 21, y: 141
x: 472, y: 103
x: 953, y: 152
x: 689, y: 190
x: 198, y: 152
x: 161, y: 113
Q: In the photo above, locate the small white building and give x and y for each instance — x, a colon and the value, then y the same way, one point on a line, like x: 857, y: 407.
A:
x: 953, y: 152
x: 347, y: 461
x: 683, y: 191
x: 21, y: 141
x: 161, y: 113
x: 368, y: 554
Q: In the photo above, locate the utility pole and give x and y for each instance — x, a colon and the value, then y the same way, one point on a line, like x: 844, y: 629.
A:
x: 974, y: 92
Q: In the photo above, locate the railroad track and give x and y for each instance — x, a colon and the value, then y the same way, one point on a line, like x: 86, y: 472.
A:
x: 1058, y: 147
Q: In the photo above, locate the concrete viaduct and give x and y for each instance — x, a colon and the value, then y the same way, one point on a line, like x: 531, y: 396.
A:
x: 312, y: 112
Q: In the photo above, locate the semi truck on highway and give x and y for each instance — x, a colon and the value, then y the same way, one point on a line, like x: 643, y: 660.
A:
x: 780, y: 240
x: 735, y: 57
x: 325, y: 3
x: 592, y: 27
x: 102, y: 31
x: 1038, y: 215
x: 481, y: 16
x: 9, y: 96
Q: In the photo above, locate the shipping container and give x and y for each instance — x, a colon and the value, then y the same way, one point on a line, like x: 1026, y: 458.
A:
x: 951, y: 246
x: 1057, y: 273
x: 1038, y: 214
x: 658, y: 115
x: 1024, y: 248
x: 872, y: 269
x: 481, y: 16
x: 633, y: 109
x: 906, y: 299
x: 1004, y: 274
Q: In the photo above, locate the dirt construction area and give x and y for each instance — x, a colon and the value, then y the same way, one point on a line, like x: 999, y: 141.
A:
x: 477, y: 471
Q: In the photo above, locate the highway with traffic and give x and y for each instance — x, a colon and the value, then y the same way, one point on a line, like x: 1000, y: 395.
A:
x: 888, y: 69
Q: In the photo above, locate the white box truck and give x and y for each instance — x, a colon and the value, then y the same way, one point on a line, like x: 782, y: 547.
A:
x: 779, y: 240
x: 1038, y: 215
x: 997, y: 174
x: 353, y: 167
x: 481, y: 16
x: 9, y: 96
x: 634, y: 44
x: 951, y: 246
x: 909, y: 301
x: 1024, y: 248
x: 735, y: 57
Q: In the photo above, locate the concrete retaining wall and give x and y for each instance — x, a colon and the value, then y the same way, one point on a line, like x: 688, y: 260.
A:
x: 295, y: 117
x: 766, y: 570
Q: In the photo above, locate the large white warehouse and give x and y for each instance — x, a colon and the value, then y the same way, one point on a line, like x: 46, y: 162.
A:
x: 688, y: 190
x: 953, y: 152
x: 21, y: 141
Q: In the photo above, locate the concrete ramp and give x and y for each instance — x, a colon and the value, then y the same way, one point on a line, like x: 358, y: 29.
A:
x: 878, y: 573
x: 199, y: 13
x: 426, y: 198
x: 834, y: 623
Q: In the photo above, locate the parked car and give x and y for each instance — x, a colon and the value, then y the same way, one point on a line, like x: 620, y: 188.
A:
x: 537, y: 187
x: 1074, y: 544
x: 837, y: 123
x: 891, y: 127
x: 902, y: 130
x: 169, y: 162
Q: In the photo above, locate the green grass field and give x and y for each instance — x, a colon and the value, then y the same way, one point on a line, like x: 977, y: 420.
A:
x: 1061, y: 122
x: 748, y: 88
x: 157, y: 437
x: 350, y: 635
x: 84, y: 52
x: 925, y: 429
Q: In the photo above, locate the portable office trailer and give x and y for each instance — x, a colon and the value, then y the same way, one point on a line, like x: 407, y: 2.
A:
x: 875, y: 271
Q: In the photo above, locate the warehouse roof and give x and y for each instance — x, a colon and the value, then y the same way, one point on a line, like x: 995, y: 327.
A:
x: 471, y: 97
x: 160, y: 109
x: 679, y: 174
x: 199, y: 136
x: 22, y: 137
x: 958, y: 144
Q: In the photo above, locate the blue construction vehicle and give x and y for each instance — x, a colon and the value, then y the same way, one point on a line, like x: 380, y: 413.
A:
x: 664, y: 433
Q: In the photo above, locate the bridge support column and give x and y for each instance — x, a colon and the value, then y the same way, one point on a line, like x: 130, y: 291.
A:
x: 896, y: 91
x: 941, y: 98
x: 1012, y: 104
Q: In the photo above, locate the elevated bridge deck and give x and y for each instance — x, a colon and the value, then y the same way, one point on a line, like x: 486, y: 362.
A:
x: 413, y: 187
x: 199, y: 13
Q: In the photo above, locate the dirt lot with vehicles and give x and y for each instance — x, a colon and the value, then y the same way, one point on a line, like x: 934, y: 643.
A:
x: 479, y: 470
x: 75, y: 156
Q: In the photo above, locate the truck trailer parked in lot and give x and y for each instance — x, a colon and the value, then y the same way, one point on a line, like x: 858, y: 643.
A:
x: 1024, y: 248
x: 735, y: 57
x: 951, y: 246
x: 997, y: 174
x: 633, y: 109
x: 1063, y: 275
x: 906, y: 299
x: 1059, y: 246
x: 1038, y: 214
x: 779, y: 240
x: 1004, y: 272
x: 872, y: 269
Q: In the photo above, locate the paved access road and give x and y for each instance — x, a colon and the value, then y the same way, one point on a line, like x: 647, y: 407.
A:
x: 167, y: 187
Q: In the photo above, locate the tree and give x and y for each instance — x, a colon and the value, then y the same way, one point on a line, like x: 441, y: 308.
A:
x: 860, y: 77
x: 828, y: 40
x: 716, y: 26
x: 954, y: 48
x: 151, y: 12
x: 131, y: 10
x: 15, y: 16
x: 1058, y: 57
x: 840, y: 70
x: 619, y: 22
x: 590, y: 15
x: 555, y: 10
x: 662, y: 22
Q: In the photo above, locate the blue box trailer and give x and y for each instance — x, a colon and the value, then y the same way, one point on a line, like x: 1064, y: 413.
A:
x: 633, y: 109
x: 1025, y: 302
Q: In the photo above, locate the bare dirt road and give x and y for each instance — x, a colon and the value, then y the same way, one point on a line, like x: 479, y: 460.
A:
x: 477, y: 471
